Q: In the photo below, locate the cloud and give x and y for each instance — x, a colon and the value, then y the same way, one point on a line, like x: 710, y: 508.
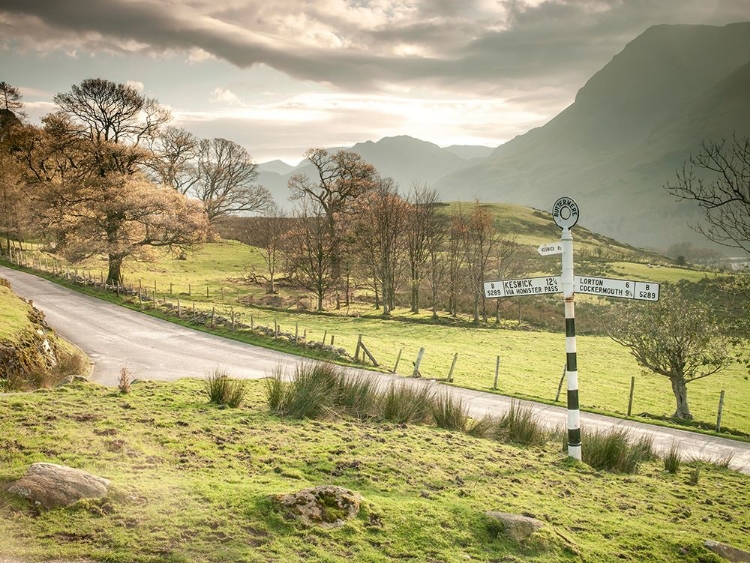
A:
x: 219, y: 95
x: 364, y: 45
x: 288, y: 127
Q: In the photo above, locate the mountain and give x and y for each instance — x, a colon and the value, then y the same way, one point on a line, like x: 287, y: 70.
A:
x: 405, y: 159
x: 630, y: 127
x: 467, y: 152
x: 275, y: 166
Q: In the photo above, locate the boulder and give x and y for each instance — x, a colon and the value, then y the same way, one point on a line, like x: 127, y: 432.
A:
x: 728, y: 552
x: 515, y: 526
x: 52, y: 485
x: 326, y: 505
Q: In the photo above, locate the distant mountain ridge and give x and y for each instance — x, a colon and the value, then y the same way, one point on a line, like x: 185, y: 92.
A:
x: 405, y: 159
x: 630, y: 127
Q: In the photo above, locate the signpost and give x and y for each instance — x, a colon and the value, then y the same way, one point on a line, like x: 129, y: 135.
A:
x: 565, y: 215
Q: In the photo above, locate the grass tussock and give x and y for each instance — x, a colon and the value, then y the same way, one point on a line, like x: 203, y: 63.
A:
x: 449, y: 413
x: 672, y: 459
x: 358, y: 394
x: 403, y: 403
x: 222, y: 390
x: 311, y: 393
x: 520, y: 426
x: 613, y: 450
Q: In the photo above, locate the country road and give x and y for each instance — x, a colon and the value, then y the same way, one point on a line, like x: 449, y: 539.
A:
x: 116, y: 337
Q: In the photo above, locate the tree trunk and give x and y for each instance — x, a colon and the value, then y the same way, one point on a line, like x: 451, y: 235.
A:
x: 320, y: 301
x: 114, y: 276
x: 679, y: 388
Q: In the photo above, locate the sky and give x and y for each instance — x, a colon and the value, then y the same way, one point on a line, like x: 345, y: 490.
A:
x: 283, y: 76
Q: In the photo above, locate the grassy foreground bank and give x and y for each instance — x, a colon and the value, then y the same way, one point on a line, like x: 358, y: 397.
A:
x: 191, y: 482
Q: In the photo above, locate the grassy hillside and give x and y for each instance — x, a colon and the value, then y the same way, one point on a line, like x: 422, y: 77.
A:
x: 14, y: 314
x: 192, y: 483
x: 531, y: 350
x: 23, y: 361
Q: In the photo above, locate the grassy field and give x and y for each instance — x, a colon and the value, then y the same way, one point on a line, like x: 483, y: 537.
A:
x: 192, y: 483
x: 531, y: 360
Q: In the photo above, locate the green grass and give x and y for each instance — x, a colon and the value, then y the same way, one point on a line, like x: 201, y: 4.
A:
x: 531, y: 360
x: 191, y: 483
x: 14, y: 315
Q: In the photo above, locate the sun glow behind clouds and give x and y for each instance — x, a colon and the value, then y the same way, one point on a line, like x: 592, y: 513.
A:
x: 327, y: 119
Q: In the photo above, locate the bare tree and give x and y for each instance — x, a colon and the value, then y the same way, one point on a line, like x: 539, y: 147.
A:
x: 718, y: 179
x: 423, y: 212
x: 382, y: 220
x: 10, y: 102
x: 482, y: 240
x: 457, y: 258
x: 673, y: 337
x: 308, y: 251
x: 266, y: 233
x: 437, y: 261
x: 115, y: 120
x: 174, y: 159
x: 225, y: 183
x: 342, y: 177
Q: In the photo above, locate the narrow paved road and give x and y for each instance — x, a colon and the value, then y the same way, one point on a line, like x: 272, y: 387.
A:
x: 116, y: 337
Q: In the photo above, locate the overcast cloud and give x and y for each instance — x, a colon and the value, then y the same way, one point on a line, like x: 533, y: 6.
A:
x: 382, y: 66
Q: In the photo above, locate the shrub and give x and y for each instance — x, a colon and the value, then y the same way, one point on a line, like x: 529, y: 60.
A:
x: 311, y: 393
x: 484, y: 427
x: 222, y: 390
x: 672, y: 460
x: 612, y: 450
x: 275, y: 391
x: 520, y: 426
x: 449, y: 413
x: 123, y: 384
x: 358, y: 394
x: 403, y: 403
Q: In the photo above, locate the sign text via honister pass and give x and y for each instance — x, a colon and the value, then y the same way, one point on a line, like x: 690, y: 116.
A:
x: 565, y: 214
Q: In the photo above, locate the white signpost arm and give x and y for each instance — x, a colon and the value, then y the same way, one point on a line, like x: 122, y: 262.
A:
x: 571, y: 365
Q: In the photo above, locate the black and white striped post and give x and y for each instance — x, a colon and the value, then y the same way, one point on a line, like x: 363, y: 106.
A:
x: 565, y: 214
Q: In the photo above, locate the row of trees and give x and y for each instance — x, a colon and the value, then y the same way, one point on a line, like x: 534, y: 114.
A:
x: 106, y: 174
x: 352, y: 229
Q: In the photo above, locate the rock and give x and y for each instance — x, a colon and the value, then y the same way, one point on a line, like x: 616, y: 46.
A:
x: 326, y: 505
x: 52, y: 485
x: 515, y: 526
x: 728, y: 552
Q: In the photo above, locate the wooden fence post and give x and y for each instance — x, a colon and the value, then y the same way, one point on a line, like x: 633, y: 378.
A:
x: 559, y: 387
x: 190, y: 289
x: 179, y: 309
x: 416, y: 373
x: 325, y: 335
x: 193, y: 312
x: 497, y: 372
x: 332, y: 337
x: 296, y: 332
x: 356, y: 351
x: 213, y: 315
x: 630, y: 399
x: 453, y: 365
x: 207, y: 296
x: 721, y: 408
x: 398, y: 359
x: 252, y: 322
x: 232, y: 309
